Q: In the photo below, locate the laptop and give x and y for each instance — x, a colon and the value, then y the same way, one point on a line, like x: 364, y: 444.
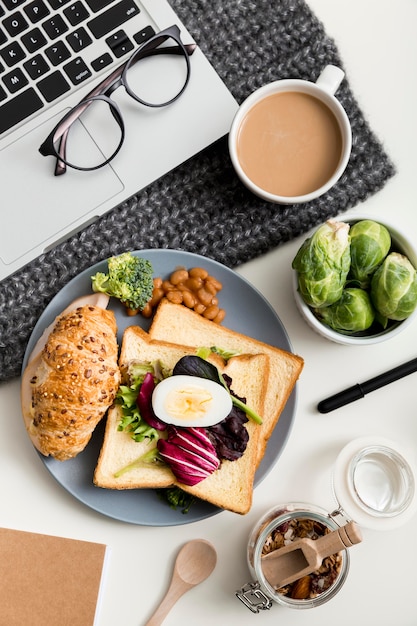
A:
x: 39, y: 39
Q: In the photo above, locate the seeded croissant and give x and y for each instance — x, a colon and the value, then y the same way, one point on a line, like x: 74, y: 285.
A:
x: 70, y: 383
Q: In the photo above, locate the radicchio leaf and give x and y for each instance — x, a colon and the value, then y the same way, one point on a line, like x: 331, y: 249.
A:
x: 144, y: 402
x: 193, y: 365
x: 189, y: 453
x: 230, y: 437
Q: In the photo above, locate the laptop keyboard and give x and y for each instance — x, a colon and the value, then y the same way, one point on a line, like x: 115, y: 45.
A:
x: 50, y: 47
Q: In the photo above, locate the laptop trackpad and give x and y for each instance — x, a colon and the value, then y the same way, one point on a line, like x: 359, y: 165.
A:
x: 67, y: 200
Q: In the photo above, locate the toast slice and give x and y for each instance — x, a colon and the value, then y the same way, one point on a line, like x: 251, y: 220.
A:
x: 231, y: 486
x: 191, y: 329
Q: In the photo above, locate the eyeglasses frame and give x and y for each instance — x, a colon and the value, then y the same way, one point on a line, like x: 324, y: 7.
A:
x: 105, y: 89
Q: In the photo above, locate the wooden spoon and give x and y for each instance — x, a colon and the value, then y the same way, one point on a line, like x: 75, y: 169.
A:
x: 303, y: 556
x: 194, y: 563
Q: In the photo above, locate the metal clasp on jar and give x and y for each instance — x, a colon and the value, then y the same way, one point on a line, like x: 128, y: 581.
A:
x: 339, y: 513
x: 254, y: 598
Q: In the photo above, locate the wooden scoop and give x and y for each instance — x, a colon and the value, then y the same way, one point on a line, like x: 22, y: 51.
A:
x: 303, y: 556
x: 195, y: 562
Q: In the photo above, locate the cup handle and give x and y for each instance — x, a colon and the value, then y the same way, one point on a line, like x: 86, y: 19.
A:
x: 330, y: 79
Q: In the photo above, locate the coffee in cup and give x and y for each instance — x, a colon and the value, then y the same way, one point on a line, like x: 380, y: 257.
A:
x: 290, y: 141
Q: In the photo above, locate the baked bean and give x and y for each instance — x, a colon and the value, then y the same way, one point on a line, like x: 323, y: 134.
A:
x: 198, y: 272
x: 208, y: 286
x: 199, y: 308
x: 193, y: 284
x: 182, y: 287
x: 168, y: 286
x: 175, y: 296
x: 204, y: 296
x: 217, y: 285
x: 179, y: 276
x: 188, y: 299
x: 157, y: 282
x: 147, y: 310
x: 157, y: 295
x: 211, y: 312
x: 220, y: 317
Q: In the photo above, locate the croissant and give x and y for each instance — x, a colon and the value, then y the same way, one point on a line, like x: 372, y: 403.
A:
x: 70, y: 383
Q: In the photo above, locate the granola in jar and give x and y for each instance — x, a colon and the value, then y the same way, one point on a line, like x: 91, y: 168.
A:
x: 317, y: 582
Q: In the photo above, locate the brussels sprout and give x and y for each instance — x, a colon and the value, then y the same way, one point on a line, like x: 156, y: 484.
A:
x: 353, y: 313
x: 369, y: 245
x: 322, y: 264
x: 394, y: 287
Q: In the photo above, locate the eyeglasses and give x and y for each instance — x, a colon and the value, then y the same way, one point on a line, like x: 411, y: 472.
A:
x: 157, y: 81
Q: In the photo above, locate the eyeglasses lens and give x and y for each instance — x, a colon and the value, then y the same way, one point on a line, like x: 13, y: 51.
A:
x: 98, y: 122
x: 159, y: 78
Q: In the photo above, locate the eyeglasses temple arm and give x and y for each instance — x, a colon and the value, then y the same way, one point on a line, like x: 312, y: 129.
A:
x: 60, y: 166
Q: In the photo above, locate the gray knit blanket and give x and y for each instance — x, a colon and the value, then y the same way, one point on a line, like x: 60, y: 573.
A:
x: 201, y: 206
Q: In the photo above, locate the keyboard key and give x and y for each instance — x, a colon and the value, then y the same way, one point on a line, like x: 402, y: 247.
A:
x: 77, y: 71
x: 58, y: 53
x: 12, y: 54
x: 79, y: 39
x: 101, y: 62
x: 53, y: 86
x: 33, y: 40
x: 97, y: 5
x: 3, y: 94
x: 15, y: 24
x: 36, y: 67
x: 19, y: 108
x: 55, y: 27
x: 12, y: 4
x: 76, y: 13
x: 15, y: 80
x: 3, y: 37
x: 36, y: 11
x: 113, y: 17
x: 124, y: 48
x: 119, y: 43
x: 144, y: 34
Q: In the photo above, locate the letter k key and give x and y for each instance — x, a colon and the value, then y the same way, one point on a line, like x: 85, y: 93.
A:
x: 12, y: 54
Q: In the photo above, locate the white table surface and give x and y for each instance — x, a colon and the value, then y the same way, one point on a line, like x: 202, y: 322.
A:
x: 378, y: 44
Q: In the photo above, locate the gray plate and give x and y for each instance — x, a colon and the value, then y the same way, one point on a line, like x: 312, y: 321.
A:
x: 247, y: 312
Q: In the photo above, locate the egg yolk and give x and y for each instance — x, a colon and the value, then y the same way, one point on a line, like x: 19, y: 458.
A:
x: 188, y: 402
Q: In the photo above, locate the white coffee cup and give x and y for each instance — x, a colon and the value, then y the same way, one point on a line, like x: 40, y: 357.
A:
x: 290, y: 140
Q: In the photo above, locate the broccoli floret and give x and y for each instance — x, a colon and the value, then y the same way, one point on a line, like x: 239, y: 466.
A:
x: 129, y: 279
x: 176, y: 498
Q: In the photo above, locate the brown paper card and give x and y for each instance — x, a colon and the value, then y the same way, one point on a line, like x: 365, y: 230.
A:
x: 48, y: 581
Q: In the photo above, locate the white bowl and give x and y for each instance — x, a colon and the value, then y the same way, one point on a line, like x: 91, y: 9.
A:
x: 401, y: 243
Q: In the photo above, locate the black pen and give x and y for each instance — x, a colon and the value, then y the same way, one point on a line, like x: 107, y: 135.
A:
x: 361, y: 389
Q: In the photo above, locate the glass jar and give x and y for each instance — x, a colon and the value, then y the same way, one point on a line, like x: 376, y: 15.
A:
x: 374, y: 484
x: 281, y: 516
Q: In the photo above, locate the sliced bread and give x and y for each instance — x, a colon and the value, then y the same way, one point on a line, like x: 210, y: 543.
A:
x: 191, y: 329
x: 231, y: 486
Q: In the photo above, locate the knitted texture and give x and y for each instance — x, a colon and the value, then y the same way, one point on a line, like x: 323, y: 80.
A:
x: 201, y: 206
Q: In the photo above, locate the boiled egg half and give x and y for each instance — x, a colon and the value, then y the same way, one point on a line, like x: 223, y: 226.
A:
x: 191, y: 401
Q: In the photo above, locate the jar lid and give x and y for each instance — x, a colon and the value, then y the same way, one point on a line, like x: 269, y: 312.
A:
x: 375, y: 483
